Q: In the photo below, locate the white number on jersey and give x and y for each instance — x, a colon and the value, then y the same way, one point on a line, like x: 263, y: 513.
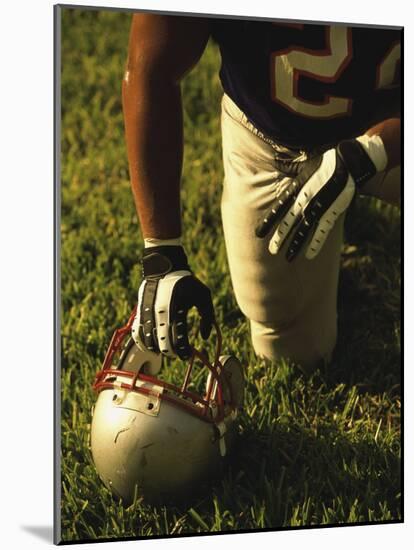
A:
x: 323, y: 65
x: 387, y: 70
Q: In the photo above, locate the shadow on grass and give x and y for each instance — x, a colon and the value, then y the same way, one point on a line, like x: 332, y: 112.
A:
x: 295, y: 477
x: 369, y: 300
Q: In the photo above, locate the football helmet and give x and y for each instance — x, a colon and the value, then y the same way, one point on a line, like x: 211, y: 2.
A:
x: 158, y: 440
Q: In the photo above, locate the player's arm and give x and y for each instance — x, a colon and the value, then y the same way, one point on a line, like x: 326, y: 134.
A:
x: 162, y: 50
x: 382, y: 142
x: 390, y: 133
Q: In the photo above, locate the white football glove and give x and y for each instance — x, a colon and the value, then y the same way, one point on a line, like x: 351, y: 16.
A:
x: 323, y: 188
x: 168, y: 290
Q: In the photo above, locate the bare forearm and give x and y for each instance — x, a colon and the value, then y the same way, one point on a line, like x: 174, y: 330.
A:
x: 386, y: 185
x: 154, y: 138
x: 162, y: 50
x: 390, y: 132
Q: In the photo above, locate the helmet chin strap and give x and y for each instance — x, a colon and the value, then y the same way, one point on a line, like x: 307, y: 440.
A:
x: 221, y: 429
x: 222, y: 442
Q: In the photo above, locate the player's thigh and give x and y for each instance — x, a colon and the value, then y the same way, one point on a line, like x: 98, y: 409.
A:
x: 268, y: 288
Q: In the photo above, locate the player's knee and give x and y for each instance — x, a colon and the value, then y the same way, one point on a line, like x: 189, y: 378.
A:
x: 307, y: 348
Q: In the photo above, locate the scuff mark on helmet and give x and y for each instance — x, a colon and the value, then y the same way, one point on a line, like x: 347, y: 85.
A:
x: 120, y: 432
x: 172, y: 431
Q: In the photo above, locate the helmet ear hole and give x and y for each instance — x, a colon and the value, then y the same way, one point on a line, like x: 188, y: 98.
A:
x: 233, y: 385
x: 233, y: 381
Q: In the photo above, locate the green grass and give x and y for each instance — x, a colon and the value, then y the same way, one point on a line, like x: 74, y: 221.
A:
x: 313, y: 451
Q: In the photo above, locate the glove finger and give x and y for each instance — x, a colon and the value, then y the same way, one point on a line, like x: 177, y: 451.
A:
x: 302, y: 198
x: 204, y: 305
x: 299, y: 238
x: 328, y: 220
x: 278, y: 210
x: 143, y: 328
x: 318, y: 240
x: 308, y: 220
x: 328, y: 189
x: 285, y: 228
x: 206, y: 326
x: 179, y: 335
x: 189, y: 292
x: 163, y: 319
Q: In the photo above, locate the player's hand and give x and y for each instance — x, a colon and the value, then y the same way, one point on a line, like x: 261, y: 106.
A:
x: 311, y: 202
x: 168, y: 291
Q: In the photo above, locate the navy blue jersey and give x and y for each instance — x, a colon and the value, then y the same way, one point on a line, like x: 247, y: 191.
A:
x: 310, y: 85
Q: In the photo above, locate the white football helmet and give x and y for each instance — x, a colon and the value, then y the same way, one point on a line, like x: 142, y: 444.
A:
x: 156, y: 440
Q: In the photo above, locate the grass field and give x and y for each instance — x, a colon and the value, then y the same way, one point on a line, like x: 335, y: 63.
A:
x: 314, y: 451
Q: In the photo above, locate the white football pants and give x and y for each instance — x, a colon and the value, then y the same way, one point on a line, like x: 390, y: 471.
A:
x: 292, y: 307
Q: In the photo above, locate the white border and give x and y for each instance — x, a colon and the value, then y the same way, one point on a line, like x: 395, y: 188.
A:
x: 26, y: 269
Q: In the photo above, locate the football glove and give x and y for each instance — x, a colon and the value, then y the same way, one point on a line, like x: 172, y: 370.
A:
x: 168, y: 290
x: 316, y: 196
